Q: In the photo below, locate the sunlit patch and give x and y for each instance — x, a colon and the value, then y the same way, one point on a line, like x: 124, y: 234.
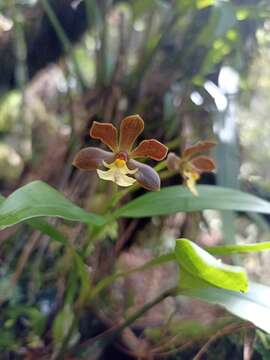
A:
x: 118, y: 172
x: 6, y: 24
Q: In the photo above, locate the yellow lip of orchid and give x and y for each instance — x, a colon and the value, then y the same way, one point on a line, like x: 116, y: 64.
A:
x: 191, y: 177
x: 118, y: 172
x: 120, y: 163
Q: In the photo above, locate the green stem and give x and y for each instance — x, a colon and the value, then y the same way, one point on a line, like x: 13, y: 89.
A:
x: 167, y: 174
x: 106, y: 282
x: 95, y: 19
x: 93, y: 14
x: 21, y: 76
x: 173, y: 144
x: 167, y: 293
x: 160, y: 260
x: 56, y: 25
x: 146, y: 62
x: 67, y: 46
x: 160, y: 166
x: 21, y: 73
x: 110, y: 335
x: 102, y: 36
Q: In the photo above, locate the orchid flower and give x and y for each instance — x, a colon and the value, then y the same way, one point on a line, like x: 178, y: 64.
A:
x: 191, y: 164
x: 119, y: 165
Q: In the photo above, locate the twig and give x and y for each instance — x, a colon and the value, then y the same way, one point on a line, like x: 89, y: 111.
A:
x: 112, y: 333
x: 147, y: 61
x: 249, y: 338
x: 227, y: 330
x: 125, y: 236
x: 21, y: 263
x: 174, y: 351
x: 25, y: 256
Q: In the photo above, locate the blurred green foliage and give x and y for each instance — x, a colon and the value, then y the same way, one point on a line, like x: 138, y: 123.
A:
x: 162, y: 59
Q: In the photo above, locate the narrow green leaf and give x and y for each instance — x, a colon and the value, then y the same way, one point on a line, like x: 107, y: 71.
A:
x: 236, y: 249
x: 174, y: 199
x: 84, y: 277
x: 199, y: 269
x: 252, y: 306
x: 39, y: 199
x: 81, y: 268
x: 62, y: 324
x: 36, y: 318
x: 222, y: 19
x: 48, y: 229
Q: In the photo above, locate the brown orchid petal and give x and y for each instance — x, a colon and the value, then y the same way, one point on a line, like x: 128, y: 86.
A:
x: 146, y: 176
x: 106, y: 133
x: 198, y: 148
x: 203, y: 164
x: 150, y: 148
x: 131, y: 127
x: 91, y: 158
x: 173, y: 162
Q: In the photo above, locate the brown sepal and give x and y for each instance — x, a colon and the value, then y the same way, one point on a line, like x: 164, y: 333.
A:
x: 130, y: 128
x: 203, y: 164
x: 91, y: 158
x: 150, y: 148
x: 146, y: 176
x: 198, y: 148
x: 106, y: 133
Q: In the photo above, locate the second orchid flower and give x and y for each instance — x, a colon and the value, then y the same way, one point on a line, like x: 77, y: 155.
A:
x: 192, y: 164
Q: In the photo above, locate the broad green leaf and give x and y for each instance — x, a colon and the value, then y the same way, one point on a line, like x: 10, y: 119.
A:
x: 174, y: 199
x: 200, y: 269
x: 252, y: 306
x: 39, y: 199
x: 53, y: 233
